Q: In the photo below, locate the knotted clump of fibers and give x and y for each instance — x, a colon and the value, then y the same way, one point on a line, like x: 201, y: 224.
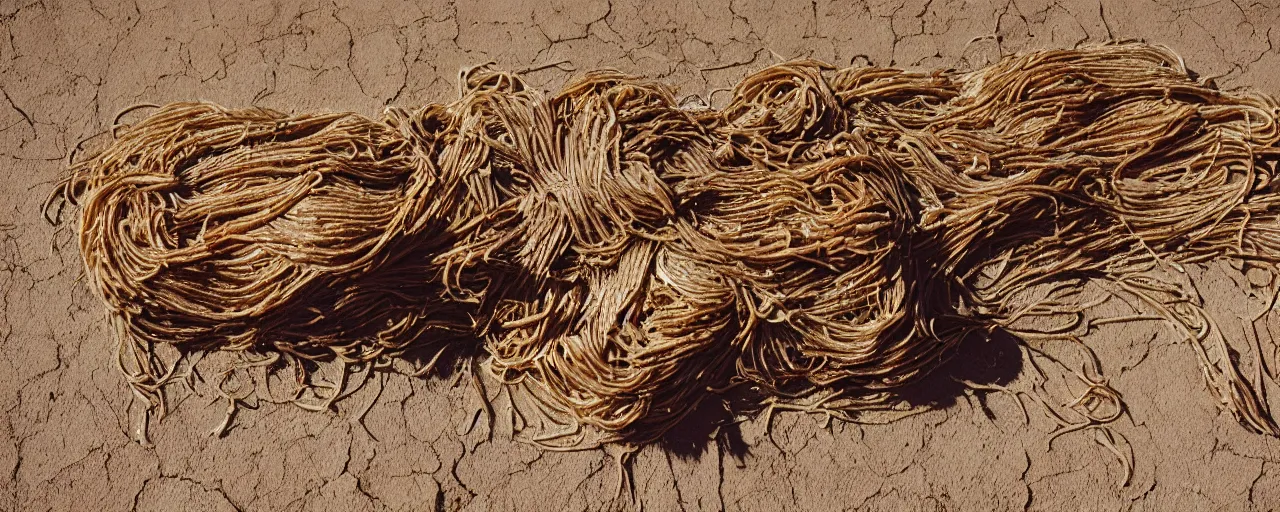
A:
x: 829, y: 232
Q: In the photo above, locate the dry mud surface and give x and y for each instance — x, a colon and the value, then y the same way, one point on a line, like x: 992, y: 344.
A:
x: 67, y: 425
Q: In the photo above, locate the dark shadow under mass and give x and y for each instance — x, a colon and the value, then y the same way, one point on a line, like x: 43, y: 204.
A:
x: 985, y: 360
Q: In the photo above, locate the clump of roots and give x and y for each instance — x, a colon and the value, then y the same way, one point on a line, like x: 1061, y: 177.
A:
x: 825, y: 239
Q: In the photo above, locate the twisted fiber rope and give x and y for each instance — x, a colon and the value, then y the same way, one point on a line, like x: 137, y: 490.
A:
x: 828, y: 231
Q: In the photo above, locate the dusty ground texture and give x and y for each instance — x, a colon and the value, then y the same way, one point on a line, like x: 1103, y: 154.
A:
x: 66, y: 428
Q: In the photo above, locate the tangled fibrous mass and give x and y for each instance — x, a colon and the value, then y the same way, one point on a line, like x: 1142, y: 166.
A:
x: 827, y: 237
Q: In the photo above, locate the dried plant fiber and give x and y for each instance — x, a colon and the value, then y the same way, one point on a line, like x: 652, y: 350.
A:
x: 827, y: 237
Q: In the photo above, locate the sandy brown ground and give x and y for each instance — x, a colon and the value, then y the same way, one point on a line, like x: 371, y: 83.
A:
x: 66, y: 428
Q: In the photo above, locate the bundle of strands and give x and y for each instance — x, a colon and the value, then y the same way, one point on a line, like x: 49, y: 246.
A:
x: 826, y: 238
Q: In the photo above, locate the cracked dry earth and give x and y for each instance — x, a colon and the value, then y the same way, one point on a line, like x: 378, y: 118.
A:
x: 68, y: 420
